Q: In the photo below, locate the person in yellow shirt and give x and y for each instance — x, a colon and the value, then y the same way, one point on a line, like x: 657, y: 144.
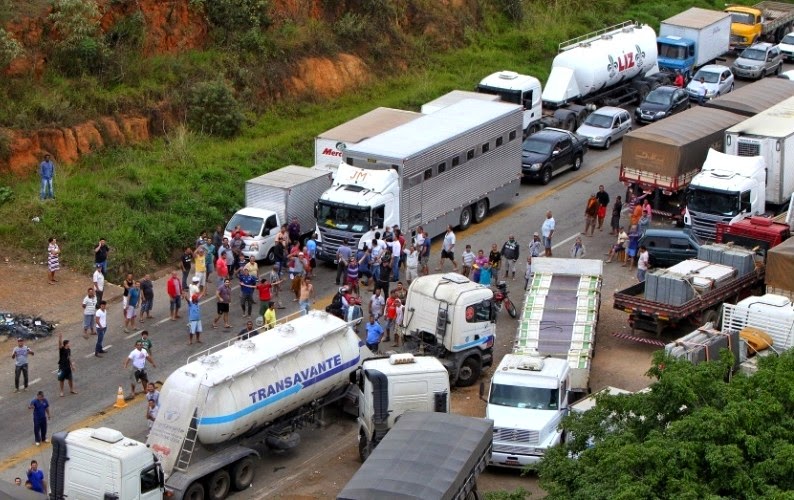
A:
x: 252, y: 266
x: 270, y: 316
x: 200, y: 264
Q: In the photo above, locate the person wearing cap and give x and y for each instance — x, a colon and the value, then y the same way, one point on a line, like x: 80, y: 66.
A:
x: 195, y: 287
x: 20, y: 356
x: 535, y: 246
x: 194, y: 319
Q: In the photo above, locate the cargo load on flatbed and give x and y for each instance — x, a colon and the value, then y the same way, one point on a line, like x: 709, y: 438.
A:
x: 754, y: 98
x: 780, y: 269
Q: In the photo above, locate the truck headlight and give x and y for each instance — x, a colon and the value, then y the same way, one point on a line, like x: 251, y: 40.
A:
x: 535, y: 166
x: 254, y: 247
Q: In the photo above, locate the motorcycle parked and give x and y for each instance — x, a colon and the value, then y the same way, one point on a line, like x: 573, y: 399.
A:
x: 502, y: 297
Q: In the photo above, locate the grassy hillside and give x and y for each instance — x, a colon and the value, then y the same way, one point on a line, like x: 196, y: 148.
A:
x: 149, y: 200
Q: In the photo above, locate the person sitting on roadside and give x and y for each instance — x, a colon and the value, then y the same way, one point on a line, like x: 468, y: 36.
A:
x: 620, y: 244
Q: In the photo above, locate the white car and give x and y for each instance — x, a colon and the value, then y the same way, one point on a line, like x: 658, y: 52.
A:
x: 604, y: 126
x: 717, y: 79
x: 787, y: 47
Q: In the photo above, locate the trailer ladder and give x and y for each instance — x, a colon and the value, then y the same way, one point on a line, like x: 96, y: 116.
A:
x: 189, y: 444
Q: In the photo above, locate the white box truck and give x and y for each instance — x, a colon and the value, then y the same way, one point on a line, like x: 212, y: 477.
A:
x: 329, y: 145
x: 215, y: 408
x: 549, y: 367
x: 273, y: 199
x: 447, y: 168
x: 693, y: 38
x: 756, y: 174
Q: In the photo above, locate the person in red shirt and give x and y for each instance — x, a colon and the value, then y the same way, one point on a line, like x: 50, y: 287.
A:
x: 174, y: 289
x: 265, y: 295
x: 220, y: 268
x: 391, y: 314
x: 679, y: 79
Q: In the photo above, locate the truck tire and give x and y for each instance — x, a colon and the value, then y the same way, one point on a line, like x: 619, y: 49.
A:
x: 218, y: 485
x: 271, y: 257
x: 363, y: 447
x: 194, y: 492
x: 642, y: 91
x: 577, y: 163
x: 469, y: 372
x: 465, y: 218
x: 242, y: 474
x: 480, y: 211
x: 546, y: 175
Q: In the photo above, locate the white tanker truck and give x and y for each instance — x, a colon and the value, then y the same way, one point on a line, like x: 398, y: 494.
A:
x: 214, y: 409
x: 613, y: 66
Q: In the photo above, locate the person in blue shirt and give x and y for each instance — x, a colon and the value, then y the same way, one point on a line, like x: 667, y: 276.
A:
x: 247, y: 287
x: 36, y: 478
x: 374, y: 334
x: 47, y: 174
x: 194, y: 319
x: 485, y: 274
x: 41, y: 413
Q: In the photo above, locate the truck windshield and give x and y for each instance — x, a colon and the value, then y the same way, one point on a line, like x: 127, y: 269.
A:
x: 517, y: 396
x: 535, y: 146
x: 788, y: 39
x: 742, y: 18
x: 513, y: 96
x: 343, y: 217
x: 250, y: 224
x: 713, y: 202
x: 753, y: 54
x: 671, y: 51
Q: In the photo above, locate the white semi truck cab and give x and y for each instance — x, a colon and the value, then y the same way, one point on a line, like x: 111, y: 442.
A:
x: 727, y: 189
x: 453, y: 319
x: 527, y: 400
x: 517, y: 89
x: 389, y: 387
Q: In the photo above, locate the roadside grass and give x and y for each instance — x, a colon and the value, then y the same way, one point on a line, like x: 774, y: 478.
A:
x: 150, y: 200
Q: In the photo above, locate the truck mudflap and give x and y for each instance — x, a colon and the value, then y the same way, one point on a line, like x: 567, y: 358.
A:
x: 179, y: 481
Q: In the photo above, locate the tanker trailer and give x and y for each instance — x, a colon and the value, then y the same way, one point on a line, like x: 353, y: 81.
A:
x: 212, y: 410
x: 614, y: 66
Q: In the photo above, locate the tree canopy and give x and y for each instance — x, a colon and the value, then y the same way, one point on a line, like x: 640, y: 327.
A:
x: 693, y: 434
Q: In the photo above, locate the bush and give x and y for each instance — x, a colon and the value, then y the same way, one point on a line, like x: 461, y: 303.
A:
x: 212, y: 109
x: 10, y: 49
x: 79, y: 47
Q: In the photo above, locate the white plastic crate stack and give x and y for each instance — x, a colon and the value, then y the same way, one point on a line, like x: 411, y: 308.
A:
x: 560, y: 313
x: 739, y: 258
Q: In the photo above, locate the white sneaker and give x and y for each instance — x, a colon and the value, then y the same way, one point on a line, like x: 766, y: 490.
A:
x: 38, y: 444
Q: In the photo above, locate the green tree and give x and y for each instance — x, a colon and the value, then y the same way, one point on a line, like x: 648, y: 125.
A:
x: 78, y: 44
x: 693, y: 435
x: 10, y: 49
x: 213, y: 110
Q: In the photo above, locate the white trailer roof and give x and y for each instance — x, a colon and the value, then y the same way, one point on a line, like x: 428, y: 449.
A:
x: 427, y: 131
x: 436, y: 285
x: 288, y: 177
x: 420, y: 364
x: 777, y: 121
x: 696, y: 18
x: 369, y: 124
x: 455, y: 96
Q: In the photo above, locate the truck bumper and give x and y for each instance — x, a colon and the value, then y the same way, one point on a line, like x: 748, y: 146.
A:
x: 512, y: 460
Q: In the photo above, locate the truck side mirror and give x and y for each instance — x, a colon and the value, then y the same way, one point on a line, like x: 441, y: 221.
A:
x: 316, y: 206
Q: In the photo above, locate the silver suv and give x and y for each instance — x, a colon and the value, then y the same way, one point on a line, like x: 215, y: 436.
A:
x: 757, y: 61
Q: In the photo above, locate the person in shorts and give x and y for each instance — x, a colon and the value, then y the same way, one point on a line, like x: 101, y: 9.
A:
x: 448, y: 250
x: 194, y: 319
x: 139, y: 356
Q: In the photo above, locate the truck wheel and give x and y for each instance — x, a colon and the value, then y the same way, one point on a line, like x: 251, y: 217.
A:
x: 194, y: 492
x: 569, y: 123
x: 363, y: 447
x: 480, y: 211
x: 243, y: 474
x: 577, y: 163
x: 546, y: 176
x: 469, y: 372
x: 218, y: 485
x: 271, y: 257
x: 465, y: 218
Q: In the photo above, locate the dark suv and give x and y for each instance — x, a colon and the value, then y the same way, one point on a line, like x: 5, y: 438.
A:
x: 668, y: 247
x: 550, y: 152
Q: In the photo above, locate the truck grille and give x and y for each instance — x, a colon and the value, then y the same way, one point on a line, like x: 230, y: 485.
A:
x: 705, y: 225
x: 748, y: 148
x: 332, y: 240
x: 514, y: 450
x: 515, y: 436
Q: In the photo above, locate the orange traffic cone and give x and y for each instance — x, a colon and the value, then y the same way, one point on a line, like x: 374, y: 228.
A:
x: 120, y: 403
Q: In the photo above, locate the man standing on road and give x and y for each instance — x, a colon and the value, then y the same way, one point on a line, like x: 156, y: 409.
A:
x: 535, y: 246
x: 20, y: 357
x: 590, y: 215
x: 270, y: 316
x: 342, y: 258
x: 603, y: 202
x: 642, y: 263
x: 147, y: 291
x: 174, y: 290
x: 36, y: 478
x: 700, y: 91
x: 247, y: 332
x: 101, y: 255
x: 411, y: 264
x: 223, y: 296
x: 247, y: 287
x: 41, y: 413
x: 139, y: 356
x: 65, y: 364
x: 99, y: 282
x: 221, y: 271
x: 47, y: 174
x: 495, y: 260
x: 510, y: 253
x: 101, y: 328
x: 547, y: 230
x: 306, y: 294
x: 448, y: 250
x: 194, y: 319
x: 133, y: 300
x: 374, y: 334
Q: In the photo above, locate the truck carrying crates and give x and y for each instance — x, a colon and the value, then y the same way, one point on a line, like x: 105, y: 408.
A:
x: 754, y: 98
